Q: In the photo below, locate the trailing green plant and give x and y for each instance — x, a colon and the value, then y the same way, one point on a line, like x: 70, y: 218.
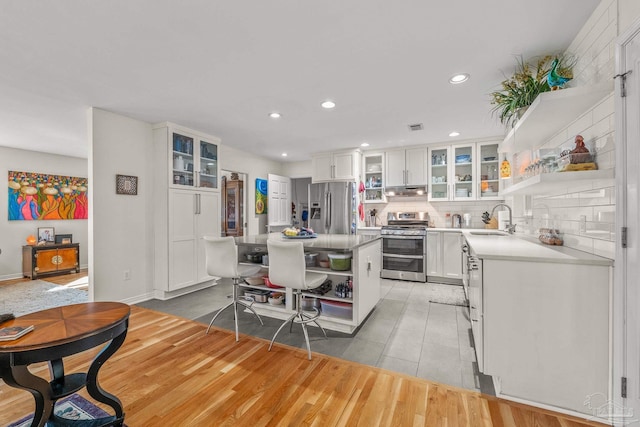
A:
x: 527, y: 82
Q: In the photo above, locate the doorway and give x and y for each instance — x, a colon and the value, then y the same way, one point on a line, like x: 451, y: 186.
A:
x: 626, y: 306
x: 233, y: 203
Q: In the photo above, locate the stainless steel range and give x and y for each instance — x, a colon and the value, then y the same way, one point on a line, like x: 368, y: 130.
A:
x: 404, y: 246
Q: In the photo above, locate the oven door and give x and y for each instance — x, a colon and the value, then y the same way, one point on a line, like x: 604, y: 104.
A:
x: 403, y: 267
x: 403, y: 245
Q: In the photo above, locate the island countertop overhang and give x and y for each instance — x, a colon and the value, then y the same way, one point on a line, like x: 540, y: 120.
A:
x: 328, y: 242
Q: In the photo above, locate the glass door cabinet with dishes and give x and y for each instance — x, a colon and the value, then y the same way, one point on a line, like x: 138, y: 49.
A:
x: 488, y: 171
x: 452, y: 173
x: 373, y: 183
x: 194, y: 160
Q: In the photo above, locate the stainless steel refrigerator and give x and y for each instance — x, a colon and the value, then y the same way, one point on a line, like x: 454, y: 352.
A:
x: 333, y: 207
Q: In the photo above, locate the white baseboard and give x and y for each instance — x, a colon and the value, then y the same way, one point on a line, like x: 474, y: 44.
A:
x: 589, y: 417
x: 167, y: 295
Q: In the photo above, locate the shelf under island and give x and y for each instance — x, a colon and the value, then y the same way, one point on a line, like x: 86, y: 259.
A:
x: 338, y: 313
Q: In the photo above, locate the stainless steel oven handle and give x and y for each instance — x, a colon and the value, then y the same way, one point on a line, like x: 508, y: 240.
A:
x: 399, y: 237
x: 386, y: 255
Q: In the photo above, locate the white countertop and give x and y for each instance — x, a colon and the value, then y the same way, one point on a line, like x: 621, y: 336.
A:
x: 331, y: 242
x: 515, y: 248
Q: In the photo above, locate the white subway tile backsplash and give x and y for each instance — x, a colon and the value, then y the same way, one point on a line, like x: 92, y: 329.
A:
x: 605, y: 109
x: 579, y: 125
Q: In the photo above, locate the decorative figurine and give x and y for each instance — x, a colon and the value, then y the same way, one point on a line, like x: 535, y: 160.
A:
x: 555, y: 80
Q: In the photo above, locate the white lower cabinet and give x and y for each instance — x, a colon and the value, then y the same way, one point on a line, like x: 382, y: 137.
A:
x: 545, y: 332
x: 180, y: 259
x: 444, y: 256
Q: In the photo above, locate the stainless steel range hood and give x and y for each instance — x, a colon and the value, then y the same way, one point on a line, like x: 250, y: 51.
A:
x: 406, y: 191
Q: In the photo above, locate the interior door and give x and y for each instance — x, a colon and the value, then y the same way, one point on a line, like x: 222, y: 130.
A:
x: 627, y: 294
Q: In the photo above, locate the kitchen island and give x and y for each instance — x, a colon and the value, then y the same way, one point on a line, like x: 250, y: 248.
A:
x: 341, y: 314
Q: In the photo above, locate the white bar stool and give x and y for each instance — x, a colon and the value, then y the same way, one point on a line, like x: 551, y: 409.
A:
x: 287, y: 268
x: 222, y: 261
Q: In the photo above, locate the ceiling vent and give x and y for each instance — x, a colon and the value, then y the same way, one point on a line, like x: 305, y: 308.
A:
x: 415, y: 127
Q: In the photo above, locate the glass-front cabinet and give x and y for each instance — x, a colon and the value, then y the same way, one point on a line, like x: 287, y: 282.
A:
x: 438, y: 179
x: 451, y: 173
x: 488, y: 171
x: 463, y: 172
x: 374, y: 176
x: 194, y: 161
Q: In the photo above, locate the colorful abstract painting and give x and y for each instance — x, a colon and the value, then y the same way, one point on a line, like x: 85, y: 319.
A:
x: 38, y: 196
x: 261, y: 196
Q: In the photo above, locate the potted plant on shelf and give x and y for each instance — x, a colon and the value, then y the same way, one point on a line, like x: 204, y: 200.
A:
x: 527, y: 82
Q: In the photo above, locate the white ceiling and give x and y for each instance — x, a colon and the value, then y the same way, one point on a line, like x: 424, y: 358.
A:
x: 221, y: 66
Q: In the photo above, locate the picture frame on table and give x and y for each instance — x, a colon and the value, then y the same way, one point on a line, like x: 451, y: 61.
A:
x: 64, y: 239
x: 46, y: 235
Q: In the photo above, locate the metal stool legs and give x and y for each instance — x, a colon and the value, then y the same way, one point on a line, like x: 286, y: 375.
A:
x: 303, y: 319
x: 236, y: 301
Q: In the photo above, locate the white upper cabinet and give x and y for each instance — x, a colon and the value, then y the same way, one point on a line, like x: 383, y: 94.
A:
x: 374, y: 177
x: 464, y: 172
x: 337, y: 166
x: 488, y: 171
x: 193, y: 158
x: 452, y: 173
x: 406, y: 167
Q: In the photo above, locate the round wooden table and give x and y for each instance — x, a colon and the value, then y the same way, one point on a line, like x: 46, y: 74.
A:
x: 60, y: 332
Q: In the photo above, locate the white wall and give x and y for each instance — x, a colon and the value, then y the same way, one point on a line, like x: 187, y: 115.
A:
x: 297, y: 169
x: 13, y: 234
x: 232, y: 159
x: 120, y: 225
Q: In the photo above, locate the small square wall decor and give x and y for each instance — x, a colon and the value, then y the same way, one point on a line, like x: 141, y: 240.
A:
x: 126, y: 184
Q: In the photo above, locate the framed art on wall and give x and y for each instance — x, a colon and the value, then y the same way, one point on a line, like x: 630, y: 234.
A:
x: 39, y: 196
x: 127, y: 184
x: 261, y: 196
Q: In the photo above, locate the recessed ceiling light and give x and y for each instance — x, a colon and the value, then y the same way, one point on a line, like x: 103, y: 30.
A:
x: 454, y: 133
x: 459, y: 78
x: 328, y: 104
x: 284, y: 154
x: 275, y: 115
x: 364, y: 144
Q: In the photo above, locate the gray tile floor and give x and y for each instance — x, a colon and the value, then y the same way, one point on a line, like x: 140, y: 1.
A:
x: 405, y: 333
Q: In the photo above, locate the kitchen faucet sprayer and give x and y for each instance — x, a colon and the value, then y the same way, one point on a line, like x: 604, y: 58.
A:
x: 511, y: 228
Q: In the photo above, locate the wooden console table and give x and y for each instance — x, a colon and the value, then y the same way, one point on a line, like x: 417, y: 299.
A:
x: 60, y: 332
x: 49, y: 260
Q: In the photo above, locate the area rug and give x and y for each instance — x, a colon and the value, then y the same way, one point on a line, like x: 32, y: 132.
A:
x: 446, y: 294
x: 28, y: 297
x: 74, y: 408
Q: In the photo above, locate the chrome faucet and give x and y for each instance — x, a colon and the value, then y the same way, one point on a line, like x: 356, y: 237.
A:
x: 512, y: 227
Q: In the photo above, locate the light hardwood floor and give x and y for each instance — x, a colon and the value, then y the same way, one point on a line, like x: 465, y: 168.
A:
x: 169, y: 373
x: 63, y: 279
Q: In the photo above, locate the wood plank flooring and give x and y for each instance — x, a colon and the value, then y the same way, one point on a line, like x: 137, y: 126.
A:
x: 62, y: 279
x: 169, y: 373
